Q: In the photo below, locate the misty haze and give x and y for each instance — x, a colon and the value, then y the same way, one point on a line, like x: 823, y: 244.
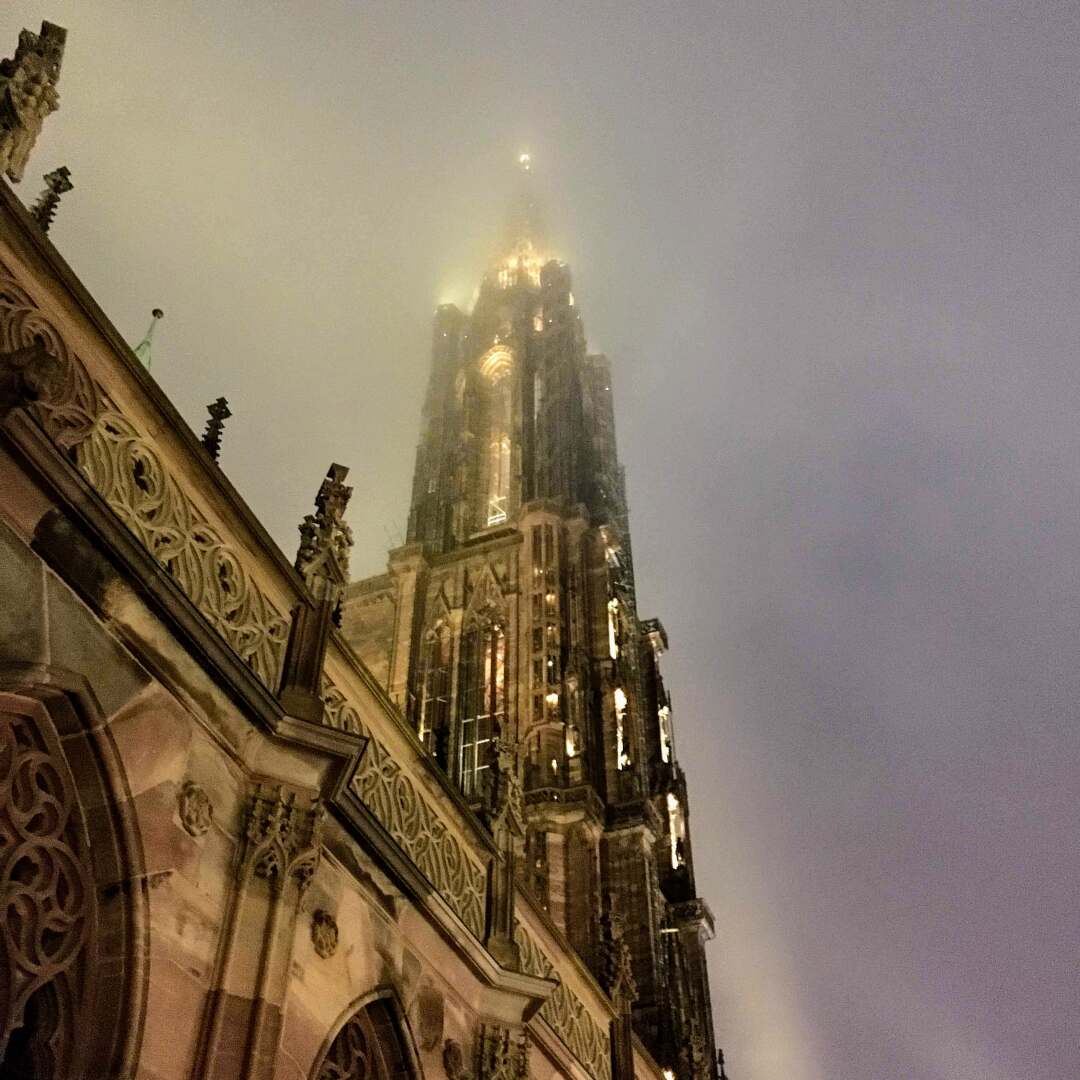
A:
x: 787, y: 293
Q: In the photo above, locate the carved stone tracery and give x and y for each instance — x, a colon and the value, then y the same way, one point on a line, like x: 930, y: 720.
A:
x: 282, y: 839
x: 565, y: 1012
x: 414, y: 823
x: 368, y: 1047
x: 125, y: 467
x: 46, y: 900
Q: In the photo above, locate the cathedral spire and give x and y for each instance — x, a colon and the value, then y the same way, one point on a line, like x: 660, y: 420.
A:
x: 524, y: 224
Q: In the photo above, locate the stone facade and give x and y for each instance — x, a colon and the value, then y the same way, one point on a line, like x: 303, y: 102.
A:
x: 230, y: 844
x: 510, y: 618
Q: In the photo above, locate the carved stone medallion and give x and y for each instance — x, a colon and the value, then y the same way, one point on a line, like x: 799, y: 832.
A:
x: 196, y: 809
x: 324, y: 933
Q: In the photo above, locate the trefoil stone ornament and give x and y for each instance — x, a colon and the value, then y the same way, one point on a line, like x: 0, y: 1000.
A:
x: 196, y: 809
x: 28, y: 94
x: 324, y: 933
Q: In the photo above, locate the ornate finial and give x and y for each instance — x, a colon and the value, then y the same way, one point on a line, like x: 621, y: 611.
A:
x: 219, y: 413
x: 56, y: 183
x: 618, y: 964
x: 142, y: 350
x: 28, y: 94
x: 505, y: 796
x: 326, y: 539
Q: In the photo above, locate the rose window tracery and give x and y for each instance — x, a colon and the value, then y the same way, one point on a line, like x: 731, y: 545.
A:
x: 368, y: 1047
x: 46, y: 900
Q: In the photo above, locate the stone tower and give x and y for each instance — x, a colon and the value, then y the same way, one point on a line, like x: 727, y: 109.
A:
x: 509, y: 618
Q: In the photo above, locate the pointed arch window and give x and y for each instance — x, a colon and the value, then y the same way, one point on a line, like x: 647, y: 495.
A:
x: 498, y: 508
x: 370, y: 1046
x: 496, y: 367
x: 433, y: 713
x: 482, y: 683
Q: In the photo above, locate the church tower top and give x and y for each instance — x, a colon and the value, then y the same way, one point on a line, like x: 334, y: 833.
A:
x: 524, y: 239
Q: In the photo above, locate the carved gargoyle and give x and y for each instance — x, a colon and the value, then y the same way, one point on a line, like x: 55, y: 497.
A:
x: 27, y: 374
x: 28, y: 94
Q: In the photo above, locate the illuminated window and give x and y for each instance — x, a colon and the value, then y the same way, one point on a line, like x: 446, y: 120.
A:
x: 498, y: 480
x: 496, y: 366
x: 538, y: 322
x: 676, y: 831
x: 613, y: 627
x: 664, y: 716
x: 483, y: 702
x: 434, y: 711
x: 622, y: 757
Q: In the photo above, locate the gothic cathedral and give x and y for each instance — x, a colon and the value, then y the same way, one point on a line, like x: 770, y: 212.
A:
x: 506, y: 628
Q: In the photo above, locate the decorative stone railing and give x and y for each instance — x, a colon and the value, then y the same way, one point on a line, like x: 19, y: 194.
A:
x: 397, y: 802
x: 566, y: 1014
x: 124, y: 464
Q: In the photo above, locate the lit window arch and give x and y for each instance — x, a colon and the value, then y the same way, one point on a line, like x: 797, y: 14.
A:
x: 496, y: 367
x: 433, y: 692
x: 482, y: 699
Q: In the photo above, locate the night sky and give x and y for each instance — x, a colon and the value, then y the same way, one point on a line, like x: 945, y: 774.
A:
x: 832, y: 252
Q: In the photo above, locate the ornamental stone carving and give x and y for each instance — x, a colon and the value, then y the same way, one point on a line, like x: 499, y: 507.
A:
x: 124, y: 466
x: 282, y: 838
x: 565, y: 1012
x: 326, y: 540
x: 413, y: 822
x: 27, y: 374
x: 618, y: 964
x: 501, y: 1053
x: 46, y: 897
x: 196, y: 809
x: 454, y: 1061
x: 324, y: 933
x: 28, y: 94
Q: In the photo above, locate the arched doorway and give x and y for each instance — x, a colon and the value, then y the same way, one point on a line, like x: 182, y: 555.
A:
x: 371, y: 1045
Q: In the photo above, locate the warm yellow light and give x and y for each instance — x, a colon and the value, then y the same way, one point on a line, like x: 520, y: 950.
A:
x: 525, y: 161
x: 496, y: 363
x: 552, y: 698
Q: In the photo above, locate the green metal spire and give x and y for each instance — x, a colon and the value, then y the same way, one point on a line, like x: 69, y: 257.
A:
x: 142, y: 350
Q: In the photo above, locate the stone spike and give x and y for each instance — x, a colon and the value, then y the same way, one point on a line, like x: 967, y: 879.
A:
x: 219, y: 413
x: 56, y: 183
